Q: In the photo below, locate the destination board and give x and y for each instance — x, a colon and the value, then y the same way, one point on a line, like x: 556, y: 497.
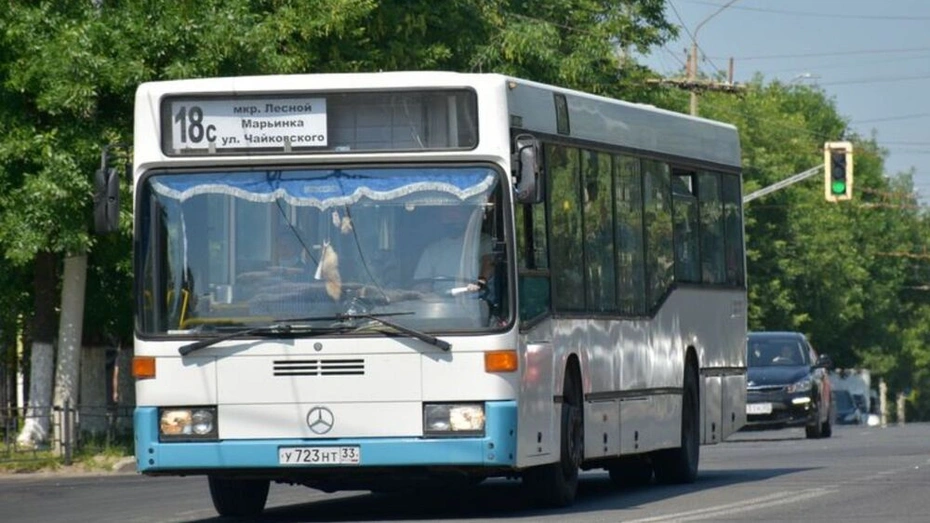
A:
x: 209, y: 126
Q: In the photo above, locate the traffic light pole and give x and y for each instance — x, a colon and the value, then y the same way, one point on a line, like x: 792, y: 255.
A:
x: 791, y: 180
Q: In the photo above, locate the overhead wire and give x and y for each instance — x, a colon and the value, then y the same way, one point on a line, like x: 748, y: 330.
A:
x: 804, y: 130
x: 832, y: 15
x: 891, y: 146
x: 693, y: 37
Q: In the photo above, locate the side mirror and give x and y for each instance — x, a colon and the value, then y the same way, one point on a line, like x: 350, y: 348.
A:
x: 525, y: 166
x: 106, y: 197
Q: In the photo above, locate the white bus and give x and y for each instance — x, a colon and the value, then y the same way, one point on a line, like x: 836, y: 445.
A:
x: 296, y: 321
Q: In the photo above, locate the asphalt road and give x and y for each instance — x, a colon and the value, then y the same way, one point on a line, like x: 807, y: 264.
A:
x: 860, y: 474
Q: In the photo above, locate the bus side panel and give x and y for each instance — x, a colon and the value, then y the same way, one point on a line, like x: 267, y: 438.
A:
x: 714, y: 323
x: 537, y: 412
x: 734, y: 405
x: 600, y: 355
x: 602, y: 429
x: 649, y: 423
x: 711, y: 400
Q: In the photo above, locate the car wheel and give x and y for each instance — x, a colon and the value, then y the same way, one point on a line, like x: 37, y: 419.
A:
x: 816, y: 430
x: 826, y: 430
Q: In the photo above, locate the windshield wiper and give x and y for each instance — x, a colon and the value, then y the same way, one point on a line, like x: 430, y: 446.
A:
x: 291, y: 327
x: 413, y: 333
x: 275, y: 330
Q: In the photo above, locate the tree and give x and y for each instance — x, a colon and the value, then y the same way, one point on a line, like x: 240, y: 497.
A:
x: 68, y: 71
x: 850, y: 275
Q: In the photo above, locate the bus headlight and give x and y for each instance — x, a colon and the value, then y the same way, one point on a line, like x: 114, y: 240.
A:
x: 456, y: 419
x: 185, y: 423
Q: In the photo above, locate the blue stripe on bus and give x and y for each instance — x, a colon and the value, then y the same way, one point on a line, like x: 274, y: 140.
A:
x: 497, y: 448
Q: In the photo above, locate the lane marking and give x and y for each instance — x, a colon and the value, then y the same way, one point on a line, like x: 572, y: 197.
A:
x: 747, y: 505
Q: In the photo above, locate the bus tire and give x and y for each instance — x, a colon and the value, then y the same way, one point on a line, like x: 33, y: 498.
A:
x: 555, y: 484
x: 233, y: 497
x: 680, y: 465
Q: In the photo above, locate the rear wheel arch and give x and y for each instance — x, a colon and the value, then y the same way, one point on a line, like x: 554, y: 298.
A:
x: 680, y: 464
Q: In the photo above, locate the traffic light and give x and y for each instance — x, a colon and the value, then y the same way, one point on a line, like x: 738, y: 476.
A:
x: 838, y: 171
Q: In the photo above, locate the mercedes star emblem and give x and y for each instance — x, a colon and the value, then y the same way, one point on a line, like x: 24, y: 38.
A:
x: 320, y: 420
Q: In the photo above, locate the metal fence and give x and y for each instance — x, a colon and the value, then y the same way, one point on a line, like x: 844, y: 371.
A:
x: 72, y: 430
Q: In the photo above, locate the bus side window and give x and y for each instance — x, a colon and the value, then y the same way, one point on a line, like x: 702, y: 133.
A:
x: 532, y: 263
x: 660, y: 253
x: 630, y: 247
x: 710, y: 210
x: 733, y: 227
x: 685, y: 224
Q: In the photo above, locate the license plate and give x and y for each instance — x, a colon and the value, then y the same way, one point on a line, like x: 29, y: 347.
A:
x: 319, y: 455
x: 758, y: 408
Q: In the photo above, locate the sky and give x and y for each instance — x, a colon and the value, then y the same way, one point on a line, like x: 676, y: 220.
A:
x: 871, y: 57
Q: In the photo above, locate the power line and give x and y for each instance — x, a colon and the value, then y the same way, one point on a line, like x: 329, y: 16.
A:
x: 832, y: 64
x: 834, y: 53
x: 691, y: 35
x: 675, y: 56
x: 877, y: 79
x: 893, y: 118
x: 831, y: 15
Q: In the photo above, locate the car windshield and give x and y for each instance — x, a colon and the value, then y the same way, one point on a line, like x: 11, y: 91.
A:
x: 776, y: 352
x: 234, y: 249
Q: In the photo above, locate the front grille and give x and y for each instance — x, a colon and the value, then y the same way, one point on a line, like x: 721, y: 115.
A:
x: 354, y: 367
x: 766, y: 388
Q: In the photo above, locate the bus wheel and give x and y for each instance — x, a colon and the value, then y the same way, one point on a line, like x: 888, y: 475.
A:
x: 680, y: 465
x: 556, y: 484
x: 238, y: 497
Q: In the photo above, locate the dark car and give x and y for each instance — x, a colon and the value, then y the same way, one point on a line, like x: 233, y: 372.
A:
x: 848, y: 411
x: 788, y: 384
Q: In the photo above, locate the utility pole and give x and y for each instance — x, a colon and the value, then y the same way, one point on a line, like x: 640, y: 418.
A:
x: 691, y: 83
x: 692, y: 62
x: 700, y: 85
x: 692, y: 76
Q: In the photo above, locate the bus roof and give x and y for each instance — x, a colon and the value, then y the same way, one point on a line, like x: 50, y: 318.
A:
x: 594, y: 119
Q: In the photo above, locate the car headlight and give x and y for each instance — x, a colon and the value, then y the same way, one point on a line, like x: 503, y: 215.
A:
x: 802, y: 385
x: 453, y: 419
x: 186, y: 423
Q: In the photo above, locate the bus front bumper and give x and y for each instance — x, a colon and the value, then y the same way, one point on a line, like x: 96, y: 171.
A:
x: 495, y: 449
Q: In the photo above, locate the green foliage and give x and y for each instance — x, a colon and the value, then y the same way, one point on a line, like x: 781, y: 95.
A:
x: 68, y: 71
x: 849, y: 274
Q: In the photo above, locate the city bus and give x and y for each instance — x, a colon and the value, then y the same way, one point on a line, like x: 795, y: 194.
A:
x: 384, y: 280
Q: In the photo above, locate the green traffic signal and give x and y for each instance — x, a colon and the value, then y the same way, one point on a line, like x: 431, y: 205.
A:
x: 838, y: 172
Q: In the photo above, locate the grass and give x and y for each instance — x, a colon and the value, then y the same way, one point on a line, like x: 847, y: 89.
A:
x: 93, y: 455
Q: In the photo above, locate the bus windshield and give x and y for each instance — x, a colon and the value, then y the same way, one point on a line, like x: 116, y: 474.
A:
x: 243, y: 248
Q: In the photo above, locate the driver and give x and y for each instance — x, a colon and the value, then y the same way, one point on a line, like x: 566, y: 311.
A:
x: 440, y: 263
